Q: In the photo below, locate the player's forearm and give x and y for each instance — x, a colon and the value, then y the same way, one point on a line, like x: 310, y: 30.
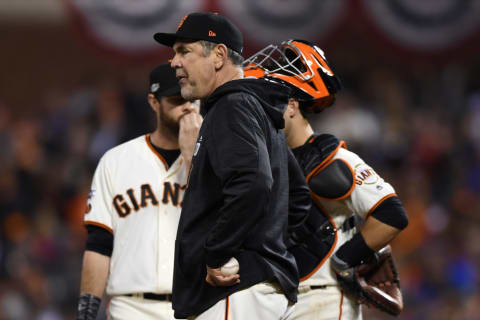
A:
x: 385, y: 223
x: 94, y: 278
x: 373, y: 236
x: 377, y: 234
x: 94, y: 273
x: 189, y: 127
x: 188, y: 162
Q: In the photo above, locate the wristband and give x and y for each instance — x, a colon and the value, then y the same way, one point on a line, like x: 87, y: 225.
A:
x: 355, y: 251
x: 88, y: 306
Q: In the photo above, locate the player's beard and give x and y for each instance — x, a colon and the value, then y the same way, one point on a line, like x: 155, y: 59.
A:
x: 168, y: 123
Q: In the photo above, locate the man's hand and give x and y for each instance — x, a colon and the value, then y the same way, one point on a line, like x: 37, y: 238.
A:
x: 190, y: 124
x: 216, y: 278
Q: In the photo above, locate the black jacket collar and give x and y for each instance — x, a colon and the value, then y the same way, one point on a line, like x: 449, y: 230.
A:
x: 272, y: 96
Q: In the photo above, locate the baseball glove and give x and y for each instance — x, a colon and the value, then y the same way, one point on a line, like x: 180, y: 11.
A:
x: 375, y: 283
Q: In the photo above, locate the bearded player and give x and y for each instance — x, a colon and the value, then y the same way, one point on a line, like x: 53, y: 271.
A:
x: 134, y: 208
x: 344, y: 188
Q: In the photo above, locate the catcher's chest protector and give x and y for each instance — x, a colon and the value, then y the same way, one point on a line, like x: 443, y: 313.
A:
x: 315, y: 240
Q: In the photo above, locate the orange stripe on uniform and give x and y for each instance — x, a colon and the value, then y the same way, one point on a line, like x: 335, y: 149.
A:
x: 325, y: 161
x: 147, y: 138
x: 341, y: 307
x: 227, y: 305
x: 379, y: 203
x: 315, y: 198
x: 349, y: 192
x: 318, y: 204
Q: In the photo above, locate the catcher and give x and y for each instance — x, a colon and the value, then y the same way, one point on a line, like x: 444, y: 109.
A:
x: 342, y: 250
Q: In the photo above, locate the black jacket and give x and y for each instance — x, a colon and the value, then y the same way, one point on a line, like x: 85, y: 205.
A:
x: 237, y: 200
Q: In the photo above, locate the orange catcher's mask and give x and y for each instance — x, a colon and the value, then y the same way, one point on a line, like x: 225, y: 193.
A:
x: 300, y: 65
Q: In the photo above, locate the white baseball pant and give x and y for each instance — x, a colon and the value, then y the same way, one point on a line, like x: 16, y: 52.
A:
x: 128, y: 308
x: 263, y: 301
x: 327, y: 303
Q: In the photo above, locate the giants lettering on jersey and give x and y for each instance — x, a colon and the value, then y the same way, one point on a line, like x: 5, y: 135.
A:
x: 145, y: 196
x: 365, y: 174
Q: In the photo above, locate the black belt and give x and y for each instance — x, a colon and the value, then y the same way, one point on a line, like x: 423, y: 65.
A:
x: 318, y: 287
x: 151, y: 296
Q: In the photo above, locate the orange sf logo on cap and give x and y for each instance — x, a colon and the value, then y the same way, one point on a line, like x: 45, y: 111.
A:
x: 181, y: 22
x: 211, y: 33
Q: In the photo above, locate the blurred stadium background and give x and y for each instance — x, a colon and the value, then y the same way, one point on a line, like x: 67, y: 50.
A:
x: 73, y: 79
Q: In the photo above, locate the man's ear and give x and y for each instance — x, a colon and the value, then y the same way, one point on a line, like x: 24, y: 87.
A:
x: 153, y: 102
x: 220, y: 55
x: 293, y: 108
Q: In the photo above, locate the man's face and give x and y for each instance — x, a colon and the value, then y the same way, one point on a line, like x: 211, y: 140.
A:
x: 172, y: 108
x: 195, y: 71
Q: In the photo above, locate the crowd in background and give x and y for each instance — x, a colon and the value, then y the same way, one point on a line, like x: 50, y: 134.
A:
x: 420, y: 130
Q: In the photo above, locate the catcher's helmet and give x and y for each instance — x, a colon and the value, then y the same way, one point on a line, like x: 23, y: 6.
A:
x: 300, y: 65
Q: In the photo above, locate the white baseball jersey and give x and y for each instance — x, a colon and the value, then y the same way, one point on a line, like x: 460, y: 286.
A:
x: 369, y: 191
x: 137, y: 198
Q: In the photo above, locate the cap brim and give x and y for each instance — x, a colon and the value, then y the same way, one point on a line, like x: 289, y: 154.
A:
x: 167, y: 39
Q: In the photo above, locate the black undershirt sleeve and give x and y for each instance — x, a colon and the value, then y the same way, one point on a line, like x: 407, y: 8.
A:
x: 391, y: 212
x: 99, y: 240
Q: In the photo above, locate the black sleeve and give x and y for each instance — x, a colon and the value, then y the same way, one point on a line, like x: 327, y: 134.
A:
x: 99, y: 240
x: 355, y: 251
x: 240, y: 159
x: 299, y: 198
x: 391, y: 212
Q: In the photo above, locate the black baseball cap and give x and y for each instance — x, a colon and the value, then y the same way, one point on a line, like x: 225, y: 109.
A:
x: 205, y: 26
x: 163, y: 81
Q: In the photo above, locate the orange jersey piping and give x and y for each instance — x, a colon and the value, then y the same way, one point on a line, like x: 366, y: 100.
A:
x: 341, y: 307
x: 147, y: 139
x: 380, y: 202
x: 227, y: 305
x: 325, y: 161
x: 314, y: 198
x: 331, y: 249
x: 349, y: 192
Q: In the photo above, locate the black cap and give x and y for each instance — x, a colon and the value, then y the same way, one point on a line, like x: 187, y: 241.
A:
x: 163, y: 82
x: 205, y: 26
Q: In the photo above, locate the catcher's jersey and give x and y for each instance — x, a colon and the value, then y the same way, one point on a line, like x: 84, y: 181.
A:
x: 136, y: 197
x: 369, y: 190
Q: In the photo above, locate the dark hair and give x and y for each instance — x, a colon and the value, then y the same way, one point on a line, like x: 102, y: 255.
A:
x: 305, y: 101
x: 234, y: 56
